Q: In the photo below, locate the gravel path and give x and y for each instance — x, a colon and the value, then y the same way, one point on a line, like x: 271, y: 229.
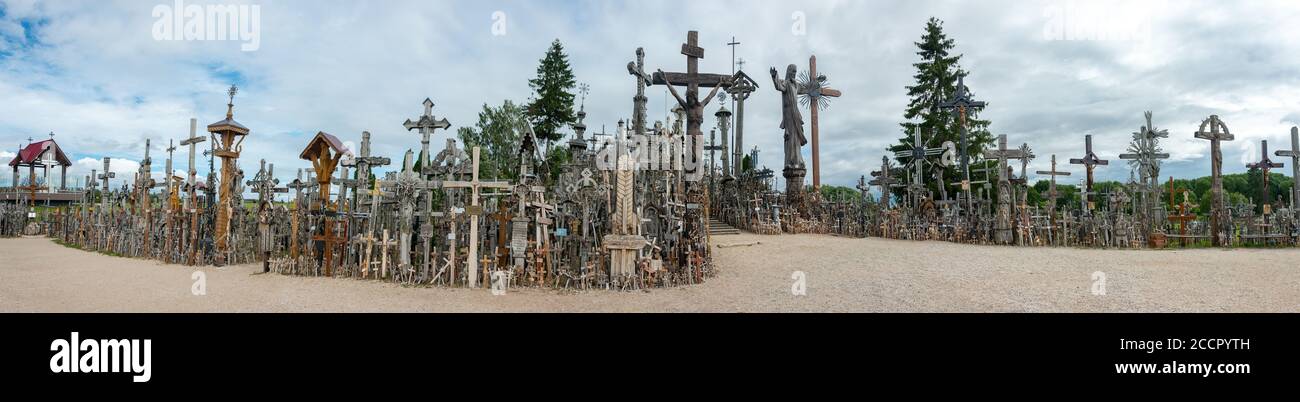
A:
x: 842, y: 275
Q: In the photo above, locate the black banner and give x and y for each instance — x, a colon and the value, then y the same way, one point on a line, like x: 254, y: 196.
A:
x: 322, y: 348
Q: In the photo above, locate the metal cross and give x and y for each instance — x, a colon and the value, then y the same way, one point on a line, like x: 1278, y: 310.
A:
x: 960, y: 102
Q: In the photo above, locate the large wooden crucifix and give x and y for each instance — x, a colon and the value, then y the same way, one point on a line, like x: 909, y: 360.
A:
x: 816, y: 92
x: 1216, y: 131
x: 1089, y: 161
x: 475, y: 211
x: 1264, y: 165
x: 692, y: 79
x: 1294, y: 154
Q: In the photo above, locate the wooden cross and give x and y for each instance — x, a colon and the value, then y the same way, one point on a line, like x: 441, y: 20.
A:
x: 1051, y: 187
x: 474, y: 211
x: 105, y: 176
x: 324, y: 152
x: 365, y: 162
x: 1089, y: 161
x: 1294, y: 153
x: 385, y: 244
x: 1215, y: 131
x: 1264, y: 165
x: 426, y: 124
x: 227, y: 143
x: 814, y: 89
x: 692, y: 79
x: 1002, y: 154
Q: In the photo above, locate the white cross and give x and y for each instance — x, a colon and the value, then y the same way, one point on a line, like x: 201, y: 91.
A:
x: 474, y: 185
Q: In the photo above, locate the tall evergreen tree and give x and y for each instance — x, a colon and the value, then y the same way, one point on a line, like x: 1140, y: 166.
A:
x: 551, y: 108
x: 936, y: 81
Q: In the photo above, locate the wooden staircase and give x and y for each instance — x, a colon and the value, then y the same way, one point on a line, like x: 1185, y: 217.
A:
x: 720, y: 228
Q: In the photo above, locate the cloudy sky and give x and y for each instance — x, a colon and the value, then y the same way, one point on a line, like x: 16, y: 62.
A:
x: 95, y: 73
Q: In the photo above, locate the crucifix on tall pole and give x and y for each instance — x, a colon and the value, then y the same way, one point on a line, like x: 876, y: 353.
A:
x: 1264, y: 165
x: 1216, y: 131
x: 1089, y: 161
x: 692, y: 79
x: 962, y: 101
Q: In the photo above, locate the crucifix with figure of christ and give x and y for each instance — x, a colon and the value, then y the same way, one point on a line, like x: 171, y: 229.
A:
x: 693, y: 107
x: 692, y: 79
x: 1264, y: 165
x: 1216, y: 131
x: 961, y: 102
x: 1089, y: 162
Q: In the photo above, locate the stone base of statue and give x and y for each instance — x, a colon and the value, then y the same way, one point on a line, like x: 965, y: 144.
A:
x: 794, y: 180
x: 623, y: 253
x: 794, y: 196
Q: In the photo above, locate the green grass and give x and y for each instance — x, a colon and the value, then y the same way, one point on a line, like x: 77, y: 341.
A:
x: 78, y: 247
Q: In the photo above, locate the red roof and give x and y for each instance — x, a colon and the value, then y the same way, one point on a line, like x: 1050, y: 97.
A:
x: 33, y: 152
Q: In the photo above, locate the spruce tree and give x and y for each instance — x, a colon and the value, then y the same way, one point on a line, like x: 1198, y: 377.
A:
x: 551, y: 108
x: 935, y: 82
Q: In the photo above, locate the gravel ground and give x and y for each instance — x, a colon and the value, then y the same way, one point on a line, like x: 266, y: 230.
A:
x: 842, y: 275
